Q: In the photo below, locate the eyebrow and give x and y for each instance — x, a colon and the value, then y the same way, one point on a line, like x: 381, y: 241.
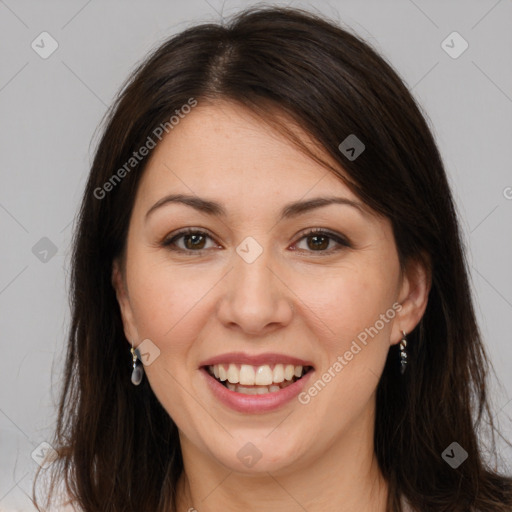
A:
x: 290, y: 210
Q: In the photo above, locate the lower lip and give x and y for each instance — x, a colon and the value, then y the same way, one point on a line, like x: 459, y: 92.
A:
x: 255, y: 403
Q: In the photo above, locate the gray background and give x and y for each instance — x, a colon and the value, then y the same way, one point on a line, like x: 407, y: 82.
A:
x: 51, y: 107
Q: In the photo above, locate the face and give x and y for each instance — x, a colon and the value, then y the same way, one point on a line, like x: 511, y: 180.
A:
x: 252, y: 295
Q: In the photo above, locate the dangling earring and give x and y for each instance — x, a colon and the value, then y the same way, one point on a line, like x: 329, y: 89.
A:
x: 138, y: 371
x: 403, y: 353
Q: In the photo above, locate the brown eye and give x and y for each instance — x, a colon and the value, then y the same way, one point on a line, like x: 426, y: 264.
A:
x: 318, y: 240
x: 193, y: 241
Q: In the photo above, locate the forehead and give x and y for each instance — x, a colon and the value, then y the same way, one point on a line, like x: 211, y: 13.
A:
x: 225, y: 151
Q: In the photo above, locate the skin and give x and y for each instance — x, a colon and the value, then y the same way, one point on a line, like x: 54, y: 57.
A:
x: 303, y: 302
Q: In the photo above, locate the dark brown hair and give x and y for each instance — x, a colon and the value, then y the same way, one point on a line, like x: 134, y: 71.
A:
x: 118, y: 449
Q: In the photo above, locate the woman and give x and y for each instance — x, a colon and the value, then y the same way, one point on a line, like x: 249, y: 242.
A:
x: 271, y: 308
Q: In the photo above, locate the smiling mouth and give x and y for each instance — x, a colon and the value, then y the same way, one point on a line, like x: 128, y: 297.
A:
x: 256, y: 380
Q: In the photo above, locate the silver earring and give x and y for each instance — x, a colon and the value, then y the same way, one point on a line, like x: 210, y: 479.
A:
x: 138, y: 371
x: 403, y: 353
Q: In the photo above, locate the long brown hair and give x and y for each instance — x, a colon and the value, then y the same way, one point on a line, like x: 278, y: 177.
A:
x: 118, y: 449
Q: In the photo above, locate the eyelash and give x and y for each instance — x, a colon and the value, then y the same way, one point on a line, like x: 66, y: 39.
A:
x: 341, y: 241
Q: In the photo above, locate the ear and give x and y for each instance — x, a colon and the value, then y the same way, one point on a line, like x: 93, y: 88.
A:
x: 119, y: 284
x: 413, y: 296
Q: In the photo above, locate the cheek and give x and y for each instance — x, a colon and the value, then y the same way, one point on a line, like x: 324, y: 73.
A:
x: 165, y: 302
x: 347, y: 299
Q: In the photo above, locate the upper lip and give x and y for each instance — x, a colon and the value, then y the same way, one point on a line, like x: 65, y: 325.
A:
x: 255, y: 360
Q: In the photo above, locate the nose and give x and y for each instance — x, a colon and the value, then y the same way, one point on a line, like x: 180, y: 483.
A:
x: 255, y: 298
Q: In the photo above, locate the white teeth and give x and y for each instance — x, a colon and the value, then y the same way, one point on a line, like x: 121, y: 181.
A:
x: 222, y: 372
x: 263, y: 376
x: 278, y: 373
x: 289, y: 371
x: 233, y: 374
x: 256, y: 390
x: 246, y: 375
x: 248, y: 391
